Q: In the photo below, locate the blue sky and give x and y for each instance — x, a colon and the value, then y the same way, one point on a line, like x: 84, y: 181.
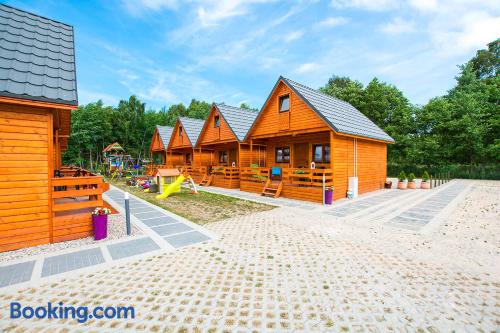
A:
x: 169, y: 51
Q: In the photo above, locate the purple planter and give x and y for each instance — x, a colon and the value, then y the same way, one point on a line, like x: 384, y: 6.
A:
x: 328, y: 197
x: 100, y: 223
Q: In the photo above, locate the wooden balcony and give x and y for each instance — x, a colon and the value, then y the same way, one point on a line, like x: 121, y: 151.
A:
x: 74, y: 197
x: 298, y: 183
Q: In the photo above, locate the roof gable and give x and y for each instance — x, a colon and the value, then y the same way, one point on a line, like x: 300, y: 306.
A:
x: 340, y: 115
x: 210, y: 134
x: 191, y: 129
x: 37, y: 59
x: 239, y: 120
x: 165, y: 133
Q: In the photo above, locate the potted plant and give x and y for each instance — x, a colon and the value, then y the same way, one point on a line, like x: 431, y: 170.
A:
x: 329, y: 195
x: 425, y: 184
x: 100, y: 222
x: 402, y: 180
x: 411, y: 180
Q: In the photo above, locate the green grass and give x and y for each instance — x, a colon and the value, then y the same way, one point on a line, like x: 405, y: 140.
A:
x: 200, y: 208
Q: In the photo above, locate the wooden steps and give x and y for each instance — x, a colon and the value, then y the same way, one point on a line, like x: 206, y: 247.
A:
x: 272, y: 189
x: 207, y: 180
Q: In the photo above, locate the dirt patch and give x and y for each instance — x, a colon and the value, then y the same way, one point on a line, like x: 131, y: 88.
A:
x: 199, y: 208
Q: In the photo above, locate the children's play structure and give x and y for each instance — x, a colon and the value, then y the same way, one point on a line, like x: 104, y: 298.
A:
x: 116, y: 163
x: 170, y: 180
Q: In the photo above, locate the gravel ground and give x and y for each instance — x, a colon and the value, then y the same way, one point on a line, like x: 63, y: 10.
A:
x: 116, y: 230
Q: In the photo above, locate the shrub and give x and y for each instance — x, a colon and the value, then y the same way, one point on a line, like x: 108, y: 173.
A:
x: 402, y: 176
x: 411, y: 177
x: 425, y: 176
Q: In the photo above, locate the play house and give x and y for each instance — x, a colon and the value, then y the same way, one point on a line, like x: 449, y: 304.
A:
x: 41, y: 201
x: 181, y: 151
x: 165, y: 177
x: 222, y: 137
x: 314, y: 140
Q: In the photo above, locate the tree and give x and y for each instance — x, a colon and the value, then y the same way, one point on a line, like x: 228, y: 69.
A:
x: 198, y: 109
x: 247, y: 107
x: 486, y: 63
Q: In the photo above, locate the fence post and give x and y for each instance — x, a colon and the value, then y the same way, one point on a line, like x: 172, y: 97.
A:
x: 431, y: 182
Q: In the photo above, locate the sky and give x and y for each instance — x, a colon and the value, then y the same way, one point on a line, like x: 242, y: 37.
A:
x: 233, y: 51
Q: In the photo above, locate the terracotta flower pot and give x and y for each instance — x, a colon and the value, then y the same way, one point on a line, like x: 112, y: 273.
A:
x: 411, y: 185
x: 401, y: 185
x: 425, y: 185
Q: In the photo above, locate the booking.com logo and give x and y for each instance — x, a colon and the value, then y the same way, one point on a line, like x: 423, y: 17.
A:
x: 61, y: 311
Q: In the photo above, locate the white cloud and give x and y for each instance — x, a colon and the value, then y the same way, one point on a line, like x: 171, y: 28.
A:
x: 88, y: 96
x: 307, y: 67
x: 137, y: 7
x: 398, y: 26
x: 424, y: 5
x: 373, y: 5
x: 293, y: 36
x: 333, y: 21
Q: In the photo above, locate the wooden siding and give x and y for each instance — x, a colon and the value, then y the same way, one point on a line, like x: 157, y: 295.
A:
x: 372, y: 164
x: 156, y: 142
x: 299, y: 119
x: 26, y: 153
x: 179, y: 141
x: 212, y: 134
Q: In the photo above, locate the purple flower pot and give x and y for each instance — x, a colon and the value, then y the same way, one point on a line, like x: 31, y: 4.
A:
x: 328, y: 197
x: 100, y: 223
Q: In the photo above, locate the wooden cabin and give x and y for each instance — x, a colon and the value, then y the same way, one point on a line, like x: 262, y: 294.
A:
x: 41, y: 201
x: 310, y: 136
x: 181, y: 152
x: 223, y: 137
x: 158, y: 149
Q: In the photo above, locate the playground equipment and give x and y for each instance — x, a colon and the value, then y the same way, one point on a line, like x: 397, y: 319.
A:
x: 170, y: 180
x: 117, y: 163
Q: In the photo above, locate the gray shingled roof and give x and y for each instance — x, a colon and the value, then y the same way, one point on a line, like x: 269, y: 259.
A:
x: 192, y: 128
x: 165, y: 134
x: 37, y: 59
x: 239, y: 120
x: 340, y: 115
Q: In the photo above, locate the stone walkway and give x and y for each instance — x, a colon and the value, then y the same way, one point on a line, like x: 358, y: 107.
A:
x: 163, y: 231
x: 269, y: 272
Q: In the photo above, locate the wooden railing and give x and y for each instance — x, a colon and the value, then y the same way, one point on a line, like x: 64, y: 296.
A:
x: 73, y: 193
x: 228, y: 173
x: 194, y: 171
x: 307, y: 177
x: 257, y: 174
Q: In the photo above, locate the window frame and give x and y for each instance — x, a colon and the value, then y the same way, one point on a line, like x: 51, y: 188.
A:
x: 323, y: 153
x: 282, y: 149
x: 216, y: 121
x: 280, y: 99
x: 180, y: 130
x: 223, y: 156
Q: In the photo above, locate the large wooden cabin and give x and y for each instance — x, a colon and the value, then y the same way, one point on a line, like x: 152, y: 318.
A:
x: 41, y: 201
x: 299, y: 126
x: 158, y: 148
x: 222, y: 137
x: 181, y: 152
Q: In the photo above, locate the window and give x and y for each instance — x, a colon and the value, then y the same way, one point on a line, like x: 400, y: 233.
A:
x: 188, y: 158
x: 223, y: 157
x: 180, y: 130
x: 285, y: 103
x: 282, y: 155
x: 216, y: 121
x: 321, y: 153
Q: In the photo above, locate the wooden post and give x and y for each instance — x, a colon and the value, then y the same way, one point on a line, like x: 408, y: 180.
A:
x: 251, y: 152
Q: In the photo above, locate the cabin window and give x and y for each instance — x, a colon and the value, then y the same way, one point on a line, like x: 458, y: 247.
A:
x: 180, y: 130
x: 285, y: 103
x: 223, y: 157
x: 321, y: 153
x: 216, y: 121
x: 282, y: 155
x: 188, y: 158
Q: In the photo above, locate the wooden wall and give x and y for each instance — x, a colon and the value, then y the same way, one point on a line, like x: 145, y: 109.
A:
x: 300, y: 118
x: 179, y: 141
x: 26, y: 165
x: 372, y: 164
x: 212, y: 134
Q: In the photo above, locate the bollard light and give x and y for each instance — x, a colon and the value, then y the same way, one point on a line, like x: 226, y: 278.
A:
x: 127, y: 213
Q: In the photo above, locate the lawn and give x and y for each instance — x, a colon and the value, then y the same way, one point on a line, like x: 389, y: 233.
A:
x: 199, y: 208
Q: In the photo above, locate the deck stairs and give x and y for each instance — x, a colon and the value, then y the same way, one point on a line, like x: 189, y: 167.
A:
x: 272, y: 188
x: 207, y: 180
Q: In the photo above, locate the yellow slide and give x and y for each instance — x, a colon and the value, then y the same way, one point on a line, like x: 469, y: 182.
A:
x: 171, y: 188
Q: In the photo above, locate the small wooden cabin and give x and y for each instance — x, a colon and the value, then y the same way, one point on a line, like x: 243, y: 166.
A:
x: 304, y: 128
x: 181, y: 152
x: 41, y: 201
x: 158, y: 148
x: 222, y: 137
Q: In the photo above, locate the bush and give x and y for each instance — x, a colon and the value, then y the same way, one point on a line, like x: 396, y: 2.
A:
x: 425, y: 176
x: 411, y: 177
x: 465, y: 171
x: 402, y: 176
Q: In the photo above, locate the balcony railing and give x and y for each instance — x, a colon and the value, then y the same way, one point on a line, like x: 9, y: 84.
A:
x: 290, y: 176
x: 228, y: 173
x: 75, y: 193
